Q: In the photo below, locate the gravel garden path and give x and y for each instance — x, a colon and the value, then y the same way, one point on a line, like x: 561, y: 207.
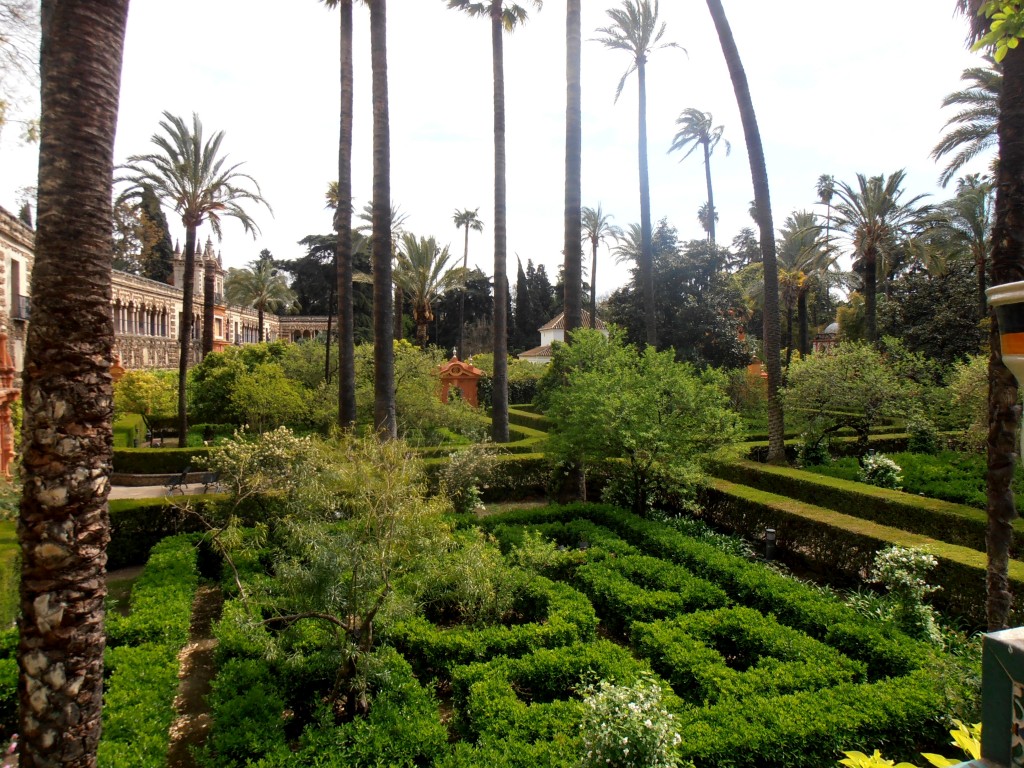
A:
x: 197, y: 670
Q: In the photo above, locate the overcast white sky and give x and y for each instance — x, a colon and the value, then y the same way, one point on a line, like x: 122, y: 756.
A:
x: 839, y: 88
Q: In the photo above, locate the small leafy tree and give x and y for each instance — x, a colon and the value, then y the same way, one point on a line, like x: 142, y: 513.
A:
x: 266, y: 399
x: 853, y: 386
x: 147, y: 392
x: 659, y: 416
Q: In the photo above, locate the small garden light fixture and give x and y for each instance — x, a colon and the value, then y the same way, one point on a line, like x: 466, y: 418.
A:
x: 770, y: 539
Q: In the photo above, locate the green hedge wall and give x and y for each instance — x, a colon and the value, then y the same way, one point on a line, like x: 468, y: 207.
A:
x: 569, y: 619
x: 841, y: 544
x: 129, y: 431
x: 137, y: 525
x: 157, y: 461
x: 942, y: 520
x: 142, y: 658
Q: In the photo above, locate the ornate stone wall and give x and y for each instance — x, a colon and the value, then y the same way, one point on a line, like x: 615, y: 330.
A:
x: 146, y: 313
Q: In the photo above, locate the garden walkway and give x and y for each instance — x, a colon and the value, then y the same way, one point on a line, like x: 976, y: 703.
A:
x: 197, y: 670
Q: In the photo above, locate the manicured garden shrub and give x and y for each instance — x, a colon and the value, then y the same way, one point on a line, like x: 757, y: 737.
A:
x: 264, y: 716
x: 712, y: 655
x: 157, y: 461
x: 136, y: 525
x: 844, y: 547
x: 638, y: 588
x: 948, y: 482
x: 161, y: 598
x: 808, y: 729
x: 129, y: 431
x: 567, y: 617
x: 879, y: 470
x: 516, y: 695
x: 142, y: 658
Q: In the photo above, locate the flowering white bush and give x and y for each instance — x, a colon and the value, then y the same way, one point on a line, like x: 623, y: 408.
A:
x: 625, y: 726
x: 904, y: 572
x: 880, y: 470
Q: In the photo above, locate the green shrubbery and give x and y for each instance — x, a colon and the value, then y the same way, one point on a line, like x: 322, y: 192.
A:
x: 142, y: 658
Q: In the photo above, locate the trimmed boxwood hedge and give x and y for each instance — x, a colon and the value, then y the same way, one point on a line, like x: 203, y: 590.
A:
x: 142, y: 657
x: 885, y: 650
x: 136, y: 525
x: 569, y: 618
x: 845, y: 545
x: 157, y: 461
x: 129, y: 431
x: 942, y: 520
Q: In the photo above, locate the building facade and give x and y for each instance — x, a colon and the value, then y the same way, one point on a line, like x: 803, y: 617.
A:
x: 147, y: 314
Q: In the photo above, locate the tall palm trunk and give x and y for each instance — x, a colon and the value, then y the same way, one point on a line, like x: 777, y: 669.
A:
x: 979, y: 266
x: 383, y: 349
x: 572, y: 248
x: 63, y: 528
x: 593, y: 284
x: 762, y: 204
x: 1004, y: 413
x: 259, y: 322
x: 711, y: 196
x: 209, y: 286
x: 646, y: 238
x: 801, y: 313
x: 343, y: 226
x: 462, y: 294
x: 188, y: 291
x: 499, y: 396
x: 869, y: 274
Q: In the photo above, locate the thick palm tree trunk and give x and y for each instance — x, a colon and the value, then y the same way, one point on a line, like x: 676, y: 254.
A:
x: 462, y: 294
x: 801, y: 313
x: 499, y: 396
x: 188, y: 291
x: 343, y: 226
x: 711, y: 196
x: 572, y: 248
x: 646, y: 237
x: 383, y: 350
x: 870, y: 277
x: 259, y: 322
x: 209, y: 286
x: 979, y: 266
x: 63, y: 528
x: 762, y: 204
x: 1003, y: 410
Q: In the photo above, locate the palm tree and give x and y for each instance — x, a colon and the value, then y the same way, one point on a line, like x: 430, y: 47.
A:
x: 191, y: 176
x: 260, y: 286
x: 707, y: 217
x: 384, y: 420
x: 695, y: 130
x: 973, y: 128
x: 763, y: 209
x: 1007, y: 266
x: 803, y: 260
x: 397, y: 221
x: 826, y: 188
x: 467, y: 220
x: 635, y: 29
x: 571, y: 248
x: 343, y: 228
x: 878, y: 224
x: 63, y: 528
x: 504, y: 17
x: 596, y: 227
x: 965, y: 226
x: 423, y: 272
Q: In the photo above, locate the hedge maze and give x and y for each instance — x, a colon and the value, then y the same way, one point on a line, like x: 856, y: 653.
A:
x: 758, y: 669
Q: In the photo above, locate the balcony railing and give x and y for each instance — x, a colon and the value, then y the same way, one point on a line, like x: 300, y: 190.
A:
x: 22, y: 308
